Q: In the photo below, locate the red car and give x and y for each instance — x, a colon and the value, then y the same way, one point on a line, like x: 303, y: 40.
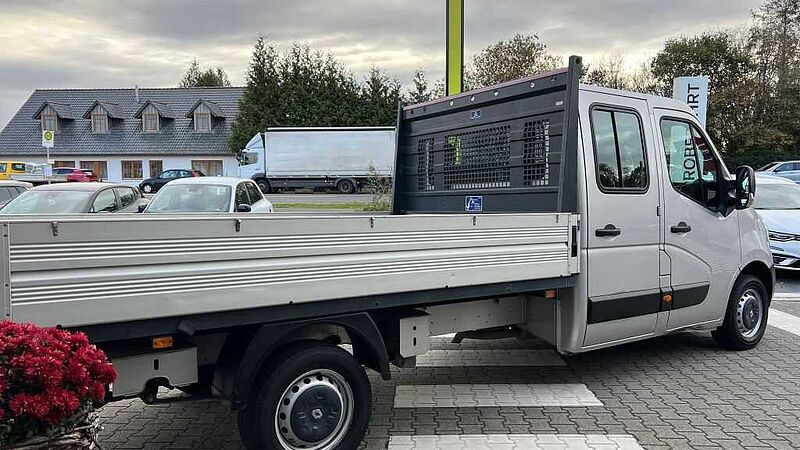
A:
x: 73, y: 174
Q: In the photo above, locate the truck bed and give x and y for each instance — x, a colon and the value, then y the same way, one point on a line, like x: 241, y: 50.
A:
x: 86, y: 271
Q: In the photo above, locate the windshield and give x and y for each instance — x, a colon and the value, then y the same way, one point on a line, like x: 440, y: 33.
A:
x: 197, y: 198
x: 777, y: 196
x: 49, y: 202
x: 767, y: 167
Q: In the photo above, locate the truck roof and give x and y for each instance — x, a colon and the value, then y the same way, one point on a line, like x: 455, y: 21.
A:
x: 654, y: 100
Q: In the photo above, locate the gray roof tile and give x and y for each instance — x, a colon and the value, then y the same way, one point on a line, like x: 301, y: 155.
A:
x: 23, y: 136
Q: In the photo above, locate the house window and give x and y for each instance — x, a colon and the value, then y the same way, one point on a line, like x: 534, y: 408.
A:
x: 210, y: 167
x: 99, y: 123
x: 99, y: 168
x: 156, y: 167
x: 131, y: 170
x: 202, y: 122
x: 64, y: 164
x: 150, y: 122
x: 49, y: 120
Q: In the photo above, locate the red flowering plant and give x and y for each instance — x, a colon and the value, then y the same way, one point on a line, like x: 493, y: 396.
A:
x: 50, y: 379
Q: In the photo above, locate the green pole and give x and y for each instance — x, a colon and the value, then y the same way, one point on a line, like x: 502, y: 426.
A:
x: 454, y: 81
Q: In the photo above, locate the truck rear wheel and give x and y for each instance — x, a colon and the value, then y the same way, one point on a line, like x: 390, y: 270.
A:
x: 746, y: 317
x: 314, y: 396
x: 346, y: 187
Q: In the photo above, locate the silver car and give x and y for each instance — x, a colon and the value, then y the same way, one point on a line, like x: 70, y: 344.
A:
x: 10, y: 189
x: 76, y: 198
x: 778, y: 204
x: 785, y: 169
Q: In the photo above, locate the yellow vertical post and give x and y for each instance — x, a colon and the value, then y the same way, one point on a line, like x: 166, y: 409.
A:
x: 454, y: 81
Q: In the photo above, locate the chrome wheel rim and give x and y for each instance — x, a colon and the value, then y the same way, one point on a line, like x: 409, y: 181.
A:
x: 315, y: 411
x: 750, y: 314
x: 147, y: 189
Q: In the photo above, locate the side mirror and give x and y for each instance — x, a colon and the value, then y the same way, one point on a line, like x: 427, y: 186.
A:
x: 141, y: 207
x: 745, y: 187
x: 244, y: 207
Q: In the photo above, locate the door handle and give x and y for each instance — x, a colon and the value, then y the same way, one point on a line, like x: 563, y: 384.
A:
x: 607, y: 231
x: 681, y: 227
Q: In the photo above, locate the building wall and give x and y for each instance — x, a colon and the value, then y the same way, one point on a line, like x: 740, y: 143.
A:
x: 114, y: 163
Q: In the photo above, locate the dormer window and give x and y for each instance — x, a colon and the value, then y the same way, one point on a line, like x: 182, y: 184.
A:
x: 203, y: 114
x: 202, y: 122
x: 99, y: 123
x: 152, y: 113
x: 50, y: 114
x: 101, y: 115
x: 49, y: 120
x: 150, y: 122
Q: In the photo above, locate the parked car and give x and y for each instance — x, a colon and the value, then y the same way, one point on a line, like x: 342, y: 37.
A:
x: 10, y: 168
x: 209, y: 195
x: 75, y: 175
x: 10, y: 189
x: 76, y: 198
x: 778, y: 204
x: 786, y: 169
x: 152, y: 185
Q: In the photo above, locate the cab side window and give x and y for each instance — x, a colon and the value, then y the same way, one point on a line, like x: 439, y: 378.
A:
x: 693, y: 171
x: 619, y: 151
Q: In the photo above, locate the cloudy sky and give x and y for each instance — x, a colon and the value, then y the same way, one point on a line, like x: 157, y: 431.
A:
x: 120, y: 43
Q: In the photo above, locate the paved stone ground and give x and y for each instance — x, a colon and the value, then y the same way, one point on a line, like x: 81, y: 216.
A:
x: 677, y: 391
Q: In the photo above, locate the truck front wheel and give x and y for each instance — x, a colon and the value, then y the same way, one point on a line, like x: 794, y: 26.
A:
x: 746, y: 316
x: 314, y: 395
x: 263, y: 184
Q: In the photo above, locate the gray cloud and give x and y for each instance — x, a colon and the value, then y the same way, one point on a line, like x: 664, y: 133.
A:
x: 97, y: 43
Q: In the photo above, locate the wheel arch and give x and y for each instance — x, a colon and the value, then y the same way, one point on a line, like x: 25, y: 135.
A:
x: 764, y: 273
x: 368, y: 346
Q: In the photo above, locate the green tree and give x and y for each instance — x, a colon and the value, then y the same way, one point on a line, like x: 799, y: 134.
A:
x: 258, y: 105
x: 420, y: 91
x: 730, y: 68
x: 380, y: 96
x: 196, y: 76
x: 611, y: 71
x: 775, y: 41
x: 517, y: 57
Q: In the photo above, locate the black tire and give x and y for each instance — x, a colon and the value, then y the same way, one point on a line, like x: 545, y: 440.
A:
x: 264, y: 185
x: 300, y: 365
x: 148, y: 188
x: 346, y: 187
x: 746, y: 315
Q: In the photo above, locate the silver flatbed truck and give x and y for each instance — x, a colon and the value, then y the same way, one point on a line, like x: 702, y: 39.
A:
x: 584, y: 216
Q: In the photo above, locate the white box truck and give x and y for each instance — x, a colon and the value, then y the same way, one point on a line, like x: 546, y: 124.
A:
x: 318, y: 158
x: 588, y: 217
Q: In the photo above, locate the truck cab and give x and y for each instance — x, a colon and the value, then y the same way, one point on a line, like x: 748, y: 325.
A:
x: 665, y: 241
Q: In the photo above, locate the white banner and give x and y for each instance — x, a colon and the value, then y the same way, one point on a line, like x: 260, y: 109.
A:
x: 694, y: 92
